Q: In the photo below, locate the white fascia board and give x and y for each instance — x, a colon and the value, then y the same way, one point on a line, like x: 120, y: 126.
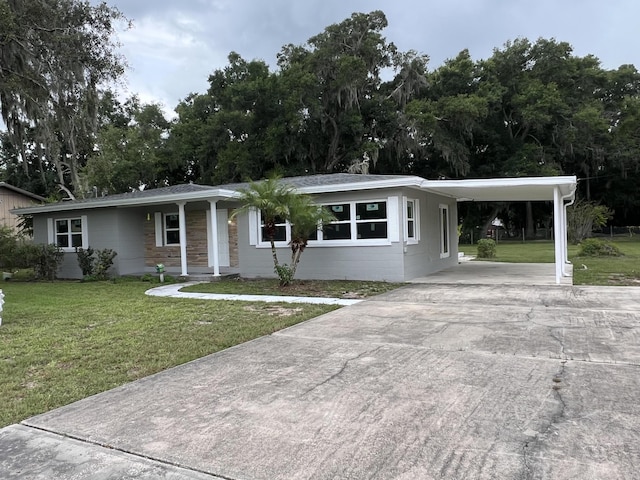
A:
x: 415, y: 182
x: 129, y: 202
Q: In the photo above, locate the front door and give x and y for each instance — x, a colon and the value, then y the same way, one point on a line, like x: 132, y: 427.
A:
x: 223, y: 238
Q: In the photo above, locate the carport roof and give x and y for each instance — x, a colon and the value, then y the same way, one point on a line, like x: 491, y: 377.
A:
x: 504, y: 189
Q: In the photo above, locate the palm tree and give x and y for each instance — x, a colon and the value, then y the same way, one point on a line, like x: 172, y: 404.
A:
x: 279, y: 202
x: 306, y: 217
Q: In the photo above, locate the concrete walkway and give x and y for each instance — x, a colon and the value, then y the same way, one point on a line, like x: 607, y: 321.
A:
x: 173, y: 290
x: 430, y: 381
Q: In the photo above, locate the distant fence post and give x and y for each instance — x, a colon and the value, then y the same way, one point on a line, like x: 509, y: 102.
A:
x: 1, y: 304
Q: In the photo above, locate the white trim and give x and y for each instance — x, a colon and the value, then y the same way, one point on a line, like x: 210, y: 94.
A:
x: 85, y: 231
x: 415, y: 239
x: 158, y: 218
x: 393, y: 220
x: 214, y: 193
x: 212, y: 226
x: 444, y: 222
x: 183, y: 239
x: 254, y: 227
x: 50, y: 233
x: 165, y: 230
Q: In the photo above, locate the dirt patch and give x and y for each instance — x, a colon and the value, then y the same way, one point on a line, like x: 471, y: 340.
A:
x: 275, y: 310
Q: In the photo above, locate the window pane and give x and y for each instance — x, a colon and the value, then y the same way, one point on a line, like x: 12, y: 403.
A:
x: 62, y: 241
x: 336, y: 231
x: 172, y: 221
x: 62, y: 226
x: 410, y: 232
x: 371, y: 211
x: 372, y: 230
x: 173, y: 237
x: 76, y: 225
x: 314, y: 235
x: 76, y: 240
x: 410, y: 210
x: 342, y: 212
x: 280, y: 234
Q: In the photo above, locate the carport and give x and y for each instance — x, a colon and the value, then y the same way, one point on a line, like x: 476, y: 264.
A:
x: 560, y: 190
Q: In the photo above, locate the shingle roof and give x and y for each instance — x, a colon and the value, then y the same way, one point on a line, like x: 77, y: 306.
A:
x: 183, y: 191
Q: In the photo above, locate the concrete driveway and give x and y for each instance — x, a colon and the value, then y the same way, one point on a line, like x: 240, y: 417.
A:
x: 431, y: 381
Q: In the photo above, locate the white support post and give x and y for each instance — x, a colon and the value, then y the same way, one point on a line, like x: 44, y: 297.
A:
x: 558, y: 232
x: 183, y: 239
x: 214, y: 237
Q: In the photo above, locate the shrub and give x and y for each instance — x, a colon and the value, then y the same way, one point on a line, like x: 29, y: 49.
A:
x: 48, y: 260
x: 85, y: 260
x: 486, y: 248
x: 594, y: 247
x: 583, y: 217
x: 103, y: 262
x: 95, y: 264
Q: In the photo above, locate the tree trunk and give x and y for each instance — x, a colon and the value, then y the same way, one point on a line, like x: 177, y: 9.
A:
x: 530, y: 232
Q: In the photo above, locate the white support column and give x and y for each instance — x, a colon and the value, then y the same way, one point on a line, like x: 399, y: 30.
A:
x: 558, y: 232
x: 213, y: 212
x: 183, y: 239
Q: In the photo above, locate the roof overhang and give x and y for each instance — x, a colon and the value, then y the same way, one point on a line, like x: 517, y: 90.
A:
x: 214, y: 194
x: 504, y: 189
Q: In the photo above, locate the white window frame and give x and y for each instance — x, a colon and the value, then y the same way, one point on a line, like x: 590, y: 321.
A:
x: 166, y: 230
x: 391, y: 219
x: 161, y: 229
x: 445, y: 232
x: 415, y: 238
x: 52, y: 228
x: 264, y: 242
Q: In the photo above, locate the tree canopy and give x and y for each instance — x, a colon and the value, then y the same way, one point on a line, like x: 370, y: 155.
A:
x: 347, y: 100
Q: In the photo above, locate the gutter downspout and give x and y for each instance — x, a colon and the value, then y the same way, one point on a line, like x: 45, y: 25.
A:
x: 566, y: 243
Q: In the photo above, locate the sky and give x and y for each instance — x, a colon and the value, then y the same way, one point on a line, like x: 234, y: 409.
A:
x: 174, y: 45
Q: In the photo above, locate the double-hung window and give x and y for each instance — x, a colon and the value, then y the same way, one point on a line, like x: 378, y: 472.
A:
x: 68, y: 232
x: 411, y: 228
x: 171, y: 229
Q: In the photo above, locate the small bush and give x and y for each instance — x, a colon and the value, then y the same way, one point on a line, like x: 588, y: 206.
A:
x: 486, y: 248
x: 85, y: 260
x: 594, y: 247
x: 48, y: 260
x: 95, y: 264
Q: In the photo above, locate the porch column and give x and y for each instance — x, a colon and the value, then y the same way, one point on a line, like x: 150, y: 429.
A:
x: 558, y: 232
x: 183, y: 239
x: 214, y: 237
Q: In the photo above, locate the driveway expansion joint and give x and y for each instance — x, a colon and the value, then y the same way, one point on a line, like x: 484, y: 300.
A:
x: 95, y: 443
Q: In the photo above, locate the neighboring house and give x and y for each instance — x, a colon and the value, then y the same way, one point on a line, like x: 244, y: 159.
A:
x: 12, y: 198
x: 388, y: 227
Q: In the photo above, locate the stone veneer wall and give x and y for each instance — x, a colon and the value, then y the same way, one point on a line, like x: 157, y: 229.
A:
x: 196, y: 222
x: 197, y: 254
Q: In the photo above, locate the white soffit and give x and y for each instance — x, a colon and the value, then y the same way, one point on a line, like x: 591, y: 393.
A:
x: 503, y: 189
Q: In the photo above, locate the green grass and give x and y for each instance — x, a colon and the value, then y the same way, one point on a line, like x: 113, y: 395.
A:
x: 623, y: 270
x: 63, y: 341
x: 309, y: 288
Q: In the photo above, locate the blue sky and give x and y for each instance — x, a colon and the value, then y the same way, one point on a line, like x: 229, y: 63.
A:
x: 174, y: 45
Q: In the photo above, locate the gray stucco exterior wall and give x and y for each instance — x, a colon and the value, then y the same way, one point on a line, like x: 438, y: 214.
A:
x: 395, y: 262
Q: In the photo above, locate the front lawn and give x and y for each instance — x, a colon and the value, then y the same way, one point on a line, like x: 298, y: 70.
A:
x: 63, y: 341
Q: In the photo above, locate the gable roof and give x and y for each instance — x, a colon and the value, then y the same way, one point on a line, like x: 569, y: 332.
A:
x: 8, y: 186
